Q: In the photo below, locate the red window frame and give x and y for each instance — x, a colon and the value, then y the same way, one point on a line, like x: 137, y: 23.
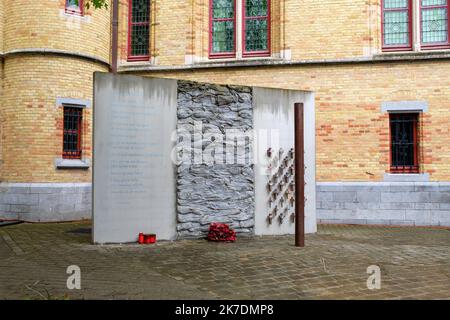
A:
x: 80, y: 10
x: 220, y: 55
x: 264, y: 53
x: 78, y: 113
x: 405, y: 169
x: 438, y: 45
x: 407, y: 47
x: 130, y: 25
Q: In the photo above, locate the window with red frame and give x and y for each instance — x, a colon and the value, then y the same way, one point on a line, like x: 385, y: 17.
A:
x: 73, y: 117
x: 74, y: 6
x: 434, y: 24
x: 404, y: 142
x: 397, y: 25
x: 139, y: 30
x: 222, y: 28
x: 256, y: 27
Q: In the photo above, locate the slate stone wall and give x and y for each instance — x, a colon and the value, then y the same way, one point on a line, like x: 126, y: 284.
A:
x: 215, y: 192
x: 388, y: 203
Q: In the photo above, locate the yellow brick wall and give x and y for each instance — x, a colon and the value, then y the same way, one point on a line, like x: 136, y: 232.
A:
x: 31, y: 121
x: 43, y: 24
x: 310, y: 29
x: 352, y: 134
x: 2, y: 24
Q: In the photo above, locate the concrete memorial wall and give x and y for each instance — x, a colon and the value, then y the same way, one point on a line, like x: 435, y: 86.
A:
x: 133, y: 178
x: 171, y: 157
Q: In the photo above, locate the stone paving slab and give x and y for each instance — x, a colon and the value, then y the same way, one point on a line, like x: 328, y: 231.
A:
x: 414, y: 264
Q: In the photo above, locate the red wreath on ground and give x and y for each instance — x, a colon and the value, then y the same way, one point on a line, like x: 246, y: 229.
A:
x: 221, y: 232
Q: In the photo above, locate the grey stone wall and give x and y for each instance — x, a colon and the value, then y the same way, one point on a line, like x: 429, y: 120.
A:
x: 214, y: 192
x: 45, y: 202
x: 390, y: 203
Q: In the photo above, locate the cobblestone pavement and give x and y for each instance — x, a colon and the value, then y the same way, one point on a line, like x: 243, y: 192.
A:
x: 414, y: 263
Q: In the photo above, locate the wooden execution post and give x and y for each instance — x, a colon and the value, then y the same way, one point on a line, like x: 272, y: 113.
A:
x: 299, y: 150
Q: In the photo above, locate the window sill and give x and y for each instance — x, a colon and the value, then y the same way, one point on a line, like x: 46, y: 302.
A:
x: 72, y: 163
x: 75, y: 16
x: 424, y: 53
x: 406, y: 177
x: 233, y: 61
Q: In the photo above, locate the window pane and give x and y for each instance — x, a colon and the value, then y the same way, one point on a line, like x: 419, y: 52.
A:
x: 140, y: 11
x: 256, y: 33
x: 223, y: 36
x: 256, y: 8
x: 73, y: 5
x: 434, y: 25
x: 392, y: 4
x: 434, y: 3
x: 396, y: 27
x: 139, y: 40
x: 223, y: 9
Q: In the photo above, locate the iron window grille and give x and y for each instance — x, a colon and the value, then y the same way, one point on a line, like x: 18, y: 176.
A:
x: 74, y: 7
x: 404, y: 143
x: 222, y: 39
x: 396, y: 25
x: 139, y: 30
x: 73, y: 117
x: 434, y: 25
x: 256, y: 27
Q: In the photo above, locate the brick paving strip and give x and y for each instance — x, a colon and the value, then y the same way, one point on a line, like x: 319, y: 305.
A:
x: 414, y: 264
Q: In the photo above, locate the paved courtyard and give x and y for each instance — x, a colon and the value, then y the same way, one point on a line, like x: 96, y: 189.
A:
x: 414, y: 263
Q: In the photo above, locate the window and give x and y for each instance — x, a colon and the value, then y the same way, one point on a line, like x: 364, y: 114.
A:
x: 256, y: 25
x: 397, y: 25
x: 139, y: 30
x: 74, y: 6
x: 434, y: 23
x: 404, y: 142
x: 72, y: 132
x: 229, y: 39
x: 222, y: 28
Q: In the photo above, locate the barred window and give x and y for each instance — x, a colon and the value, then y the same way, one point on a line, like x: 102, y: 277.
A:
x: 222, y: 29
x: 397, y: 24
x: 404, y: 142
x: 434, y: 22
x: 72, y: 132
x: 256, y: 27
x: 74, y: 6
x: 139, y: 30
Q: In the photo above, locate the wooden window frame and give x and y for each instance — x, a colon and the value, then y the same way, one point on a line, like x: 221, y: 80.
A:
x: 130, y: 57
x: 414, y: 169
x: 77, y: 154
x: 263, y: 53
x: 407, y: 47
x: 437, y: 45
x: 79, y: 12
x: 221, y: 55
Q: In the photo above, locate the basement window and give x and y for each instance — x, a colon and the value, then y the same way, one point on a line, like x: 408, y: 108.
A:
x: 74, y: 7
x: 139, y: 30
x: 72, y: 132
x: 404, y: 142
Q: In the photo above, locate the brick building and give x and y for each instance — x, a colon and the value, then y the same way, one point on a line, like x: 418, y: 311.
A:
x: 379, y: 70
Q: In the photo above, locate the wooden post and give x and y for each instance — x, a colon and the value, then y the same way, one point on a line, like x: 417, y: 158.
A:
x: 299, y: 176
